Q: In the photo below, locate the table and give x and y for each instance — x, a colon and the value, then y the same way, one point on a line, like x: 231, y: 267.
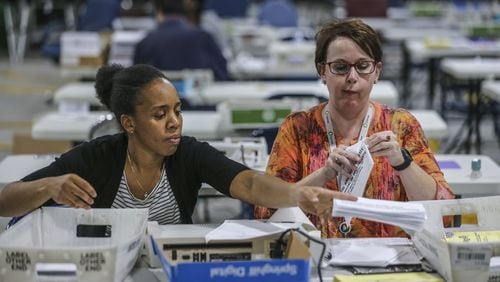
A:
x: 491, y: 88
x: 384, y: 91
x: 15, y: 167
x: 418, y: 49
x: 432, y: 123
x: 199, y: 124
x: 78, y: 92
x: 474, y: 71
x: 457, y: 171
x: 57, y: 126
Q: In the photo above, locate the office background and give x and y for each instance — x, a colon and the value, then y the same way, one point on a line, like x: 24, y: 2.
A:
x: 27, y: 87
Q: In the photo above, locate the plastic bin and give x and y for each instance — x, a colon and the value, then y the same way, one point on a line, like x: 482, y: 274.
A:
x: 66, y: 244
x: 460, y: 261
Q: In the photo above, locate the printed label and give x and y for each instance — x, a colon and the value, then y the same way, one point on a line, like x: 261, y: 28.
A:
x: 92, y: 261
x: 18, y: 261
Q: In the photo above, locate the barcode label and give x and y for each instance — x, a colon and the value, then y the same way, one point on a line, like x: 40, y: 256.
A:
x: 477, y: 257
x: 473, y: 256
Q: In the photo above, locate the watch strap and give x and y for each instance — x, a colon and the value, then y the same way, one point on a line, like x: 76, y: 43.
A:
x: 407, y: 159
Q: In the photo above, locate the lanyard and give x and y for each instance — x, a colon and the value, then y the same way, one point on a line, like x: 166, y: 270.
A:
x: 345, y: 227
x: 329, y: 126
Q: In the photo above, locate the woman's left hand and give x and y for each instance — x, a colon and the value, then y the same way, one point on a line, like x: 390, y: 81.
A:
x: 384, y: 144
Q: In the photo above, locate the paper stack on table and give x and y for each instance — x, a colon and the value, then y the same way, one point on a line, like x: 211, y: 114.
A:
x: 408, y: 215
x: 373, y: 252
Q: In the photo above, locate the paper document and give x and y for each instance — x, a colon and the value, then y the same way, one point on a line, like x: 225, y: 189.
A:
x: 234, y: 230
x: 408, y: 215
x: 374, y: 252
x: 293, y: 214
x: 396, y: 277
x: 472, y: 236
x: 357, y: 183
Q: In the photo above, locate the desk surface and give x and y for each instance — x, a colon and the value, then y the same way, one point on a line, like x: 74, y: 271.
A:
x: 432, y: 123
x: 56, y: 126
x: 457, y: 171
x: 491, y: 89
x: 455, y: 47
x: 77, y: 91
x: 476, y: 68
x: 15, y: 167
x: 418, y: 33
x: 384, y: 91
x: 199, y: 124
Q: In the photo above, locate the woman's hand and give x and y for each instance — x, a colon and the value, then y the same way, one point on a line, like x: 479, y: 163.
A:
x: 71, y: 190
x: 384, y: 144
x: 340, y: 161
x: 319, y: 201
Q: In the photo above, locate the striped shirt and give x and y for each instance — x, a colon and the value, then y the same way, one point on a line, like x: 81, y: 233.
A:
x: 160, y: 202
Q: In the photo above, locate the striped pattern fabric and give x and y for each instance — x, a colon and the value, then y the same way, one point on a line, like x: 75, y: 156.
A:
x: 160, y: 202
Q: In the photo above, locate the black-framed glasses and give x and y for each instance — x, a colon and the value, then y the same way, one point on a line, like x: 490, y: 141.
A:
x: 361, y: 67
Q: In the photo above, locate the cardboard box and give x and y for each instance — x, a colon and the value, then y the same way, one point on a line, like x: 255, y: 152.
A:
x: 25, y: 144
x: 456, y: 261
x: 84, y: 48
x: 66, y: 244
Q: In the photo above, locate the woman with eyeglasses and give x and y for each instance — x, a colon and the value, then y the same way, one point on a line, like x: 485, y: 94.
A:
x: 311, y: 145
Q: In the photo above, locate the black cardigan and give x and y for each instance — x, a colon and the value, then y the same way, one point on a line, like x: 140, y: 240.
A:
x: 101, y: 162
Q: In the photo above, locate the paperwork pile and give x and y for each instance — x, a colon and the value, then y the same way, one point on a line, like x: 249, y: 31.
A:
x: 408, y: 215
x: 373, y: 252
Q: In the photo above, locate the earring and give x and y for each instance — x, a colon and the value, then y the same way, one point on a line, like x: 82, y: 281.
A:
x: 131, y: 131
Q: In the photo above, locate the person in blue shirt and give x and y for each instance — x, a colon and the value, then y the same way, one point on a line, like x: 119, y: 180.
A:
x: 178, y: 44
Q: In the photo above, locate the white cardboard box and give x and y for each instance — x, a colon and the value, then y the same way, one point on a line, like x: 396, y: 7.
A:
x: 460, y: 262
x: 44, y: 245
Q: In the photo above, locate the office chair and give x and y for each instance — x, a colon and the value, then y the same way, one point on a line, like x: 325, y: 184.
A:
x: 367, y: 8
x: 281, y: 96
x: 269, y: 133
x: 107, y: 125
x: 278, y: 13
x: 228, y: 8
x: 98, y: 15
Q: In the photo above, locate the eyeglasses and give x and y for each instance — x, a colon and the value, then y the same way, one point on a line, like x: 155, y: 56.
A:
x: 361, y: 67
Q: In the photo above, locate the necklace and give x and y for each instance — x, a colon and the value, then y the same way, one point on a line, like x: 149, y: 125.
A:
x: 135, y: 175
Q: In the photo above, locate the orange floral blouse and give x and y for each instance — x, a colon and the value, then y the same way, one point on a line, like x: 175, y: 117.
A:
x: 301, y: 147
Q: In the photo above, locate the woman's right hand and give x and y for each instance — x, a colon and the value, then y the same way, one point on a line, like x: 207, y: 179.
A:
x: 72, y: 190
x: 318, y: 200
x: 340, y: 161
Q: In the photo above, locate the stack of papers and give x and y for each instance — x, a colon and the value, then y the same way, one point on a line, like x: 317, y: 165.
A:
x: 400, y: 277
x: 408, y: 215
x: 235, y: 230
x: 373, y: 252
